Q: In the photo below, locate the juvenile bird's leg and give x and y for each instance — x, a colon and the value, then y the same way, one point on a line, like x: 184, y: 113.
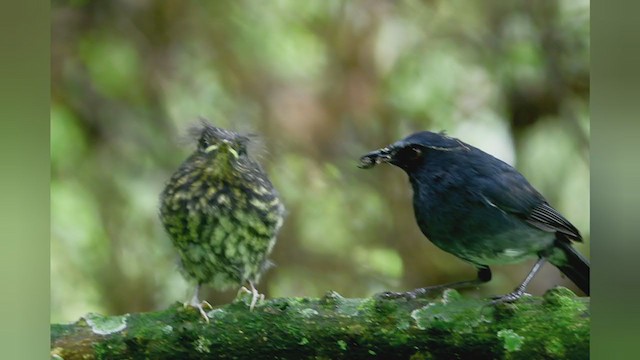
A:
x: 255, y: 295
x: 484, y: 275
x: 196, y: 303
x: 519, y: 291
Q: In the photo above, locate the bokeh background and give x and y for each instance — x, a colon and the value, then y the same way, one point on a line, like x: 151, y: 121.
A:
x: 321, y: 83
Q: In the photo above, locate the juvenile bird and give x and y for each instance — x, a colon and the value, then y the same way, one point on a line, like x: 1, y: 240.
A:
x: 222, y: 214
x: 480, y: 209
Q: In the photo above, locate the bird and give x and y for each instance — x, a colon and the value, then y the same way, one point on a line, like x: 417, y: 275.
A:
x: 222, y: 214
x: 482, y: 210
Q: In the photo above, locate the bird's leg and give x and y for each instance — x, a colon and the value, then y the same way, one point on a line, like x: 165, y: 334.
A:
x: 255, y: 295
x: 196, y: 303
x: 519, y: 291
x: 484, y: 275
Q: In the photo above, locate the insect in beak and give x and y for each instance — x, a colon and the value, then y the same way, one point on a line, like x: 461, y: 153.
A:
x: 376, y: 157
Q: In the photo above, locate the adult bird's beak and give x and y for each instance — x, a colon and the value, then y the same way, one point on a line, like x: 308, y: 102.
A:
x: 377, y: 157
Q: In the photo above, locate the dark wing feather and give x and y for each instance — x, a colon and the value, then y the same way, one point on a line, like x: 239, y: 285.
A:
x: 545, y: 217
x: 509, y: 191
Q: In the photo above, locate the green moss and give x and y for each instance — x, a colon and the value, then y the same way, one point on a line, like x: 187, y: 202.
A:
x: 561, y: 297
x: 511, y: 341
x: 293, y: 301
x: 202, y: 345
x: 110, y: 349
x: 308, y: 312
x: 403, y: 324
x: 554, y: 348
x: 278, y: 305
x: 105, y: 325
x: 331, y: 298
x: 343, y: 345
x: 349, y: 307
x: 167, y: 329
x: 420, y: 356
x: 452, y: 322
x: 384, y: 308
x: 450, y: 295
x: 367, y: 305
x: 452, y: 312
x: 216, y: 314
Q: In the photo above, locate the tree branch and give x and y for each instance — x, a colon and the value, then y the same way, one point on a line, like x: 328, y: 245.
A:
x: 553, y: 326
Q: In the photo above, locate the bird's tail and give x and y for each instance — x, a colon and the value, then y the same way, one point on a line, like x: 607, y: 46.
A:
x: 575, y: 266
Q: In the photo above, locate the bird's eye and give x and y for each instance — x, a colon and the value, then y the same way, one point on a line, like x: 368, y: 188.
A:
x: 204, y: 142
x: 242, y: 149
x: 408, y: 155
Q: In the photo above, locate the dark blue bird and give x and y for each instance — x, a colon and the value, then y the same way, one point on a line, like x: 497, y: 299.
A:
x: 480, y: 209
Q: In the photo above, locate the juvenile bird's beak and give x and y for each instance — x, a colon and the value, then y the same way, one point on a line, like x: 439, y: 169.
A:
x: 224, y: 146
x: 231, y: 150
x: 376, y: 157
x: 211, y: 148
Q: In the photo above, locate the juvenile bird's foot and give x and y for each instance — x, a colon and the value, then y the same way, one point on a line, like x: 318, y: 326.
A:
x: 196, y: 303
x: 255, y: 295
x: 200, y: 305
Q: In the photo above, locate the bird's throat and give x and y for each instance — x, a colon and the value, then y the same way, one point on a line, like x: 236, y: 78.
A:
x: 223, y: 166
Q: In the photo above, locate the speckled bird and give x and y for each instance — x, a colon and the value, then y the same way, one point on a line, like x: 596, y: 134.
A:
x: 222, y: 214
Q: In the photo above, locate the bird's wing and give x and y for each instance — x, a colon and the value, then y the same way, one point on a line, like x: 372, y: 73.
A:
x: 545, y: 216
x: 511, y: 192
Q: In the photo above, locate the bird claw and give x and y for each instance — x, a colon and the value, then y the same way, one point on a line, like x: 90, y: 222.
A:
x: 390, y: 295
x: 508, y: 298
x: 196, y: 303
x: 255, y: 295
x: 206, y: 303
x: 243, y: 290
x: 200, y: 306
x: 193, y: 303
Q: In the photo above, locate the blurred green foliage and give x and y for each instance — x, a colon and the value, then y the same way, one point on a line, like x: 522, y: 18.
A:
x: 320, y: 83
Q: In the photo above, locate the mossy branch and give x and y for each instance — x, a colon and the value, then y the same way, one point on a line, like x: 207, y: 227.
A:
x: 553, y: 326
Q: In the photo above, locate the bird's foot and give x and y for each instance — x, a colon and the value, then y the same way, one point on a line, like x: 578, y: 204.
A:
x: 255, y: 295
x: 416, y: 293
x: 196, y: 303
x: 510, y: 297
x: 408, y: 295
x: 390, y: 295
x: 200, y: 305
